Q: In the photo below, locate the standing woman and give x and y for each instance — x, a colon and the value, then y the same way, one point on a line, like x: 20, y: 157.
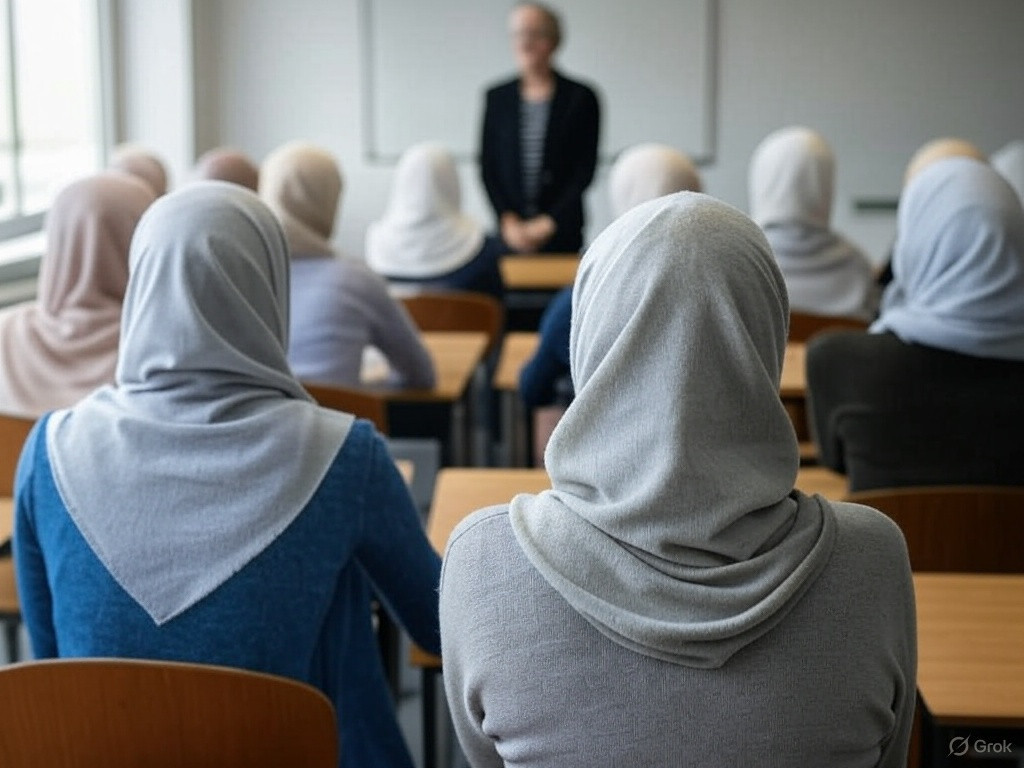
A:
x: 57, y: 349
x: 203, y: 508
x: 539, y: 147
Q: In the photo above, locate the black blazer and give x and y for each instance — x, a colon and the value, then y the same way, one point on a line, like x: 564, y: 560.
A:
x: 570, y: 156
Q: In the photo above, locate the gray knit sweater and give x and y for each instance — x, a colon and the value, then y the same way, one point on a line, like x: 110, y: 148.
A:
x: 531, y: 683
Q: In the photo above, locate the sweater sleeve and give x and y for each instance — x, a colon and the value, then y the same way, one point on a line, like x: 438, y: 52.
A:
x: 395, y: 554
x: 393, y: 332
x: 539, y: 376
x: 33, y: 586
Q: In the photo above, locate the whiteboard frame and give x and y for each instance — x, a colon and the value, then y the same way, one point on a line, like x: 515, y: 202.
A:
x: 368, y: 85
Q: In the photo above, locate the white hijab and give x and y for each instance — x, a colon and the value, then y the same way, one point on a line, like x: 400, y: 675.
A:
x: 646, y: 171
x: 424, y: 233
x: 958, y: 262
x: 302, y: 184
x: 1009, y: 161
x: 206, y: 448
x: 672, y: 525
x: 791, y: 189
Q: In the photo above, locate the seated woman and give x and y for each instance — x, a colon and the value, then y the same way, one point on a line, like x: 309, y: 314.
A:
x: 791, y: 190
x: 926, y: 154
x: 203, y: 508
x: 142, y: 164
x: 641, y: 173
x: 932, y: 395
x: 425, y: 241
x: 225, y: 164
x: 673, y: 600
x: 339, y: 306
x: 57, y: 349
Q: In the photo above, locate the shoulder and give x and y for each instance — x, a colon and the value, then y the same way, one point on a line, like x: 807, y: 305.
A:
x: 870, y: 546
x: 577, y: 89
x: 846, y: 349
x: 506, y: 89
x: 483, y: 525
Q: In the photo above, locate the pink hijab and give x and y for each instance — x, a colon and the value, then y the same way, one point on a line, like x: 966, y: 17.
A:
x: 142, y: 164
x: 57, y: 349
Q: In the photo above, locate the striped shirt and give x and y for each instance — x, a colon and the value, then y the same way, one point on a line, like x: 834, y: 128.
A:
x: 533, y: 125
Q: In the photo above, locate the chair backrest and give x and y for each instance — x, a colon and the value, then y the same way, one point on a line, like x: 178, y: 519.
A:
x: 13, y: 431
x: 458, y: 311
x: 360, y: 404
x: 803, y: 325
x: 964, y: 529
x: 74, y: 713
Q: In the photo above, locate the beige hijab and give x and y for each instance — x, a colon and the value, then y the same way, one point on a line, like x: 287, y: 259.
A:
x: 302, y: 184
x: 59, y: 348
x: 940, y: 149
x: 224, y: 164
x: 142, y: 164
x: 646, y: 171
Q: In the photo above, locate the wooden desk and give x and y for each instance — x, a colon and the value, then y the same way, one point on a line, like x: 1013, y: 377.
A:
x: 457, y: 359
x: 456, y: 356
x: 541, y: 272
x: 516, y: 350
x: 970, y: 648
x: 970, y: 667
x: 794, y: 374
x: 831, y: 485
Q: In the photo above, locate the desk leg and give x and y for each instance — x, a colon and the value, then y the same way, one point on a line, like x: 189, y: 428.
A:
x: 459, y: 443
x: 429, y: 693
x: 512, y: 428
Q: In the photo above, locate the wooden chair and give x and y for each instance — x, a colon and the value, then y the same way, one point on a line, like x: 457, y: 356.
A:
x: 803, y: 325
x: 78, y: 713
x: 458, y: 311
x: 360, y: 404
x: 13, y: 431
x: 963, y: 529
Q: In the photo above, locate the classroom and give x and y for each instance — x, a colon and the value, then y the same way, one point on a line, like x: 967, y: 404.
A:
x: 655, y: 365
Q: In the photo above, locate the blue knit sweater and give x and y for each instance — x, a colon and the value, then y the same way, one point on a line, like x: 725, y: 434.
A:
x: 300, y: 609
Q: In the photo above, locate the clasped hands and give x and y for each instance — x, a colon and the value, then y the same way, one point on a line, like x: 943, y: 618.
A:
x: 526, y: 235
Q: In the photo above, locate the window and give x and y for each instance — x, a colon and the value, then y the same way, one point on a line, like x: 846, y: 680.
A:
x: 50, y: 104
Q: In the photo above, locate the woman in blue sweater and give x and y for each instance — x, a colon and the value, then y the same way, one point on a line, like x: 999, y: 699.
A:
x: 203, y: 508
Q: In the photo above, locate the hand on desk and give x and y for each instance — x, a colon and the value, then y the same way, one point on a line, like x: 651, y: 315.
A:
x: 526, y: 235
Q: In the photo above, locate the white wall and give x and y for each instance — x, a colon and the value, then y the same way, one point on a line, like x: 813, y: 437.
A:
x: 877, y: 77
x: 153, y: 65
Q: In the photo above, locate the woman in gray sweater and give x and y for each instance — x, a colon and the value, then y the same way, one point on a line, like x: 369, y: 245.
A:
x: 673, y: 601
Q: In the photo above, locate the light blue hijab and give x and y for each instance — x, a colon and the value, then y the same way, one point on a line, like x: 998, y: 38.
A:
x: 206, y: 448
x: 958, y: 263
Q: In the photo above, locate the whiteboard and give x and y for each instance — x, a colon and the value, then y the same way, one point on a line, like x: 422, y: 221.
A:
x: 426, y: 66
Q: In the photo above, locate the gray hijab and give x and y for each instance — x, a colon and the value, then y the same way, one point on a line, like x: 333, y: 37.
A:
x: 206, y: 448
x: 958, y: 263
x: 672, y: 525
